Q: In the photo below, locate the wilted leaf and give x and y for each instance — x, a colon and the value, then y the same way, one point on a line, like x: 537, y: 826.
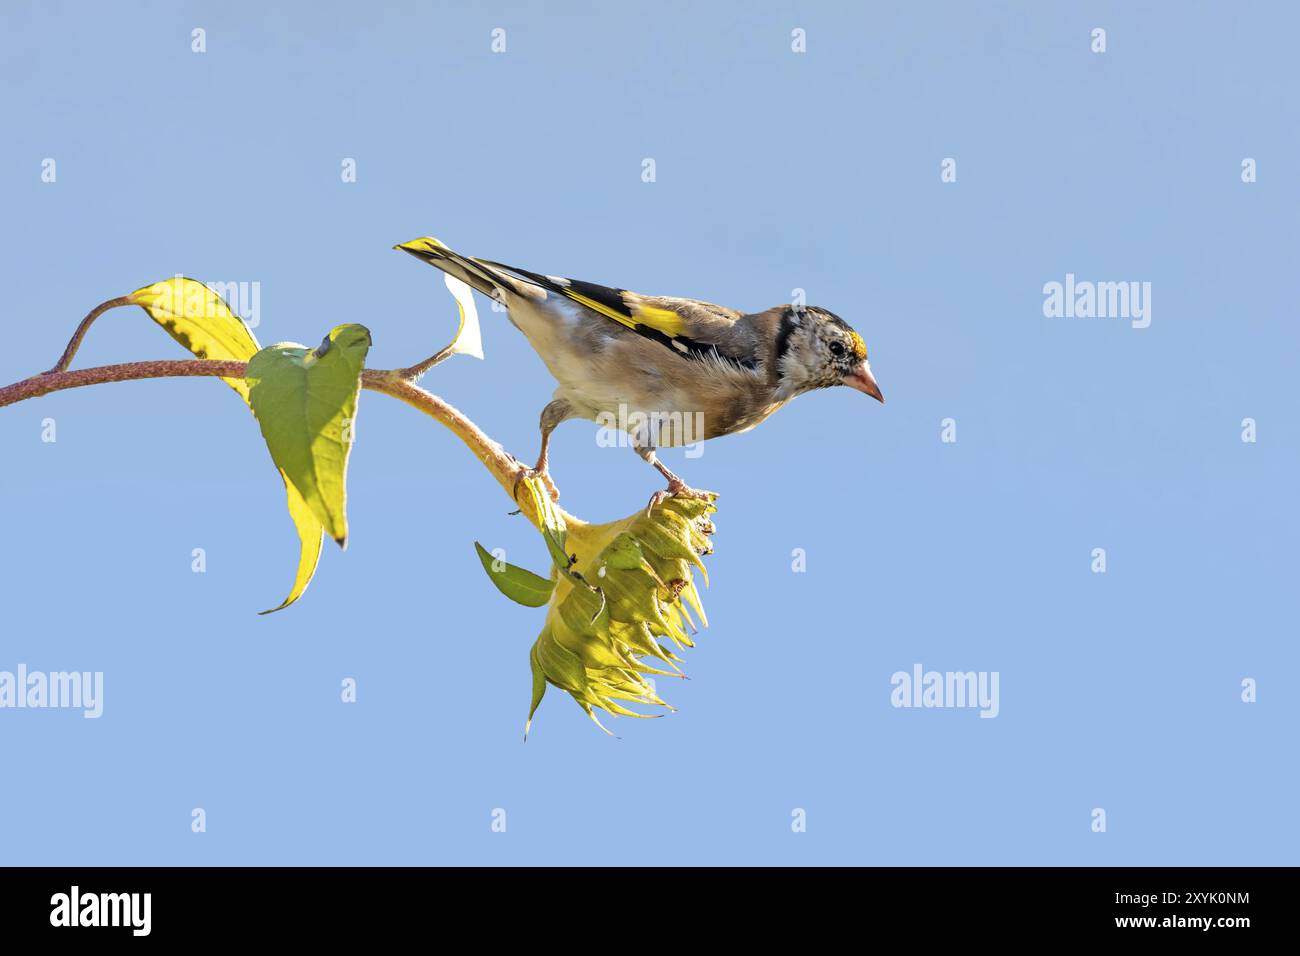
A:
x: 305, y: 401
x: 518, y: 584
x: 469, y: 338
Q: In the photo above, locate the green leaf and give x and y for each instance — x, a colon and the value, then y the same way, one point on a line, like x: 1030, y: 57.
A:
x: 518, y: 584
x: 305, y: 401
x: 198, y: 318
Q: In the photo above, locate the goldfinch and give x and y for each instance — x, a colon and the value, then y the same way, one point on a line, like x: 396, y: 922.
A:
x: 666, y: 371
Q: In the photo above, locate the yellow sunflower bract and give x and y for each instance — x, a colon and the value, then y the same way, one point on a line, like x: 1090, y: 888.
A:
x: 623, y: 609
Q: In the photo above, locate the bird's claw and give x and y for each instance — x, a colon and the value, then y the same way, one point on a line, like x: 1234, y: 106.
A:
x: 677, y: 489
x: 525, y: 473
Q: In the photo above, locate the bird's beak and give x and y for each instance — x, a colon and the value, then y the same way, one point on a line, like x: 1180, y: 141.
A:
x: 862, y: 379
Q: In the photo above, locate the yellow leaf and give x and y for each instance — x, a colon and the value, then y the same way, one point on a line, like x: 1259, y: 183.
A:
x: 200, y: 320
x: 312, y: 536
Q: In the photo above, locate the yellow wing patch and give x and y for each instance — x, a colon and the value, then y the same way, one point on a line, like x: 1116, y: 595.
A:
x: 663, y: 320
x: 599, y: 307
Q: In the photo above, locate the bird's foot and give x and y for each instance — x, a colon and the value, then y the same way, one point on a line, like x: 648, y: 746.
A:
x: 677, y: 489
x: 525, y: 473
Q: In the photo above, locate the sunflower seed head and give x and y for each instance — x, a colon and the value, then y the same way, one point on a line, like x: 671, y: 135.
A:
x: 619, y: 619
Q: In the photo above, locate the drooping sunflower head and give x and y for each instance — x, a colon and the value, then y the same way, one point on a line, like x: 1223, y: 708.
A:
x: 623, y: 609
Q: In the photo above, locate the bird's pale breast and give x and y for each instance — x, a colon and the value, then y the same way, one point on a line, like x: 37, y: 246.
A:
x: 618, y: 378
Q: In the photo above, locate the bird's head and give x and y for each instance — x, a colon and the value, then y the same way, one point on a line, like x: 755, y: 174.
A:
x: 817, y: 349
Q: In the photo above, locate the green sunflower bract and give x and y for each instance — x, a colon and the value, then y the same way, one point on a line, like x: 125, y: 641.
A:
x: 624, y: 603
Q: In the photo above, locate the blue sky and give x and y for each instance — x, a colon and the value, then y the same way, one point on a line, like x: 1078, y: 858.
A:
x: 774, y: 171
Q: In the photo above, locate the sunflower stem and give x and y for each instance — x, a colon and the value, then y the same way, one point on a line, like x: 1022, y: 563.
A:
x: 75, y: 343
x: 503, y: 466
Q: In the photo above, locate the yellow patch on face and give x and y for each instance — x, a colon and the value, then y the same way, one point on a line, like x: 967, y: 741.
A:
x: 859, y: 346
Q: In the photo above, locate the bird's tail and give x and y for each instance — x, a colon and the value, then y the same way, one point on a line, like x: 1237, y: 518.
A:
x: 479, y: 275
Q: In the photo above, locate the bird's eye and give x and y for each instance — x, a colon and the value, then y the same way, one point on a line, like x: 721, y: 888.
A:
x: 837, y: 349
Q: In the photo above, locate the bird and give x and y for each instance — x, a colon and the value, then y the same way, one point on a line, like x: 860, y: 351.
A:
x: 667, y: 371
